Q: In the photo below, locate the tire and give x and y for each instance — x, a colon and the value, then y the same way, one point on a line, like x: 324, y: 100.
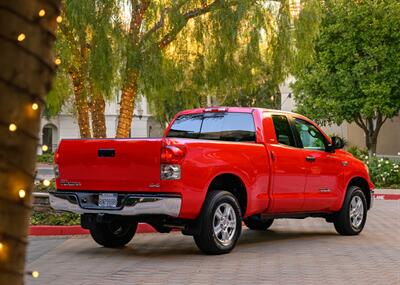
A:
x: 113, y: 234
x: 350, y: 220
x: 256, y: 223
x: 220, y: 223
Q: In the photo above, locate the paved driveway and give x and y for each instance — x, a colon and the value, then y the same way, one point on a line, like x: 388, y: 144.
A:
x: 293, y: 252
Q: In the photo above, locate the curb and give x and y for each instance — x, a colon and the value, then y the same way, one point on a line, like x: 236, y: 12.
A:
x: 387, y: 196
x: 75, y: 230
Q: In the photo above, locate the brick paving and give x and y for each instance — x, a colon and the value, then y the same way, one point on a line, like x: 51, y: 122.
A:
x: 293, y: 252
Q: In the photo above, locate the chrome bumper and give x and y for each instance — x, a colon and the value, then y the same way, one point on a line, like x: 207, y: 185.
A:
x: 128, y: 204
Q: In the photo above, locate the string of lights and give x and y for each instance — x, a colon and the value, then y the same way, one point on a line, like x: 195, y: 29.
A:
x: 21, y: 37
x: 36, y: 21
x: 12, y: 127
x: 21, y: 196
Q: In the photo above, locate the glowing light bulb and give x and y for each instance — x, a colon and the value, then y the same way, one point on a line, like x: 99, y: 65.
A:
x: 57, y: 61
x: 59, y: 19
x: 21, y: 37
x: 12, y: 127
x: 46, y: 182
x: 41, y: 13
x: 35, y: 106
x: 1, y: 246
x: 22, y: 193
x: 45, y: 147
x: 35, y: 274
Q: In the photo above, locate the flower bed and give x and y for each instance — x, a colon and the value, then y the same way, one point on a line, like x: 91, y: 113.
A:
x: 384, y: 173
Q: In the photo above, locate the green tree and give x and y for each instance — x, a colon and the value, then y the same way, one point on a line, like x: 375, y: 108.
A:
x: 178, y: 52
x: 88, y: 49
x: 353, y: 73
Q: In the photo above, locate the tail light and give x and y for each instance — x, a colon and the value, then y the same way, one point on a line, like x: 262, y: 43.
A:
x: 56, y: 156
x: 216, y: 109
x: 172, y: 154
x: 171, y: 157
x: 56, y: 169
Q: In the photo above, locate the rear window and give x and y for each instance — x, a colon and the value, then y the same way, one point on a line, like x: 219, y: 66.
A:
x: 237, y: 127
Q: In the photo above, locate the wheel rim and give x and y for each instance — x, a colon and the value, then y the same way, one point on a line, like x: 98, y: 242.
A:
x: 356, y: 211
x: 224, y: 223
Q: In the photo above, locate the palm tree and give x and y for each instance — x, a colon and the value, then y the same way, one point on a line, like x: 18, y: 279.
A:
x: 27, y: 68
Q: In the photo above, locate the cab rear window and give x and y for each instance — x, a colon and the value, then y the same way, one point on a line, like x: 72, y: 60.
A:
x: 220, y: 126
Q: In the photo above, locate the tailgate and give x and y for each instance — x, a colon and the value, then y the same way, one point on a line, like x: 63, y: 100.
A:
x: 130, y: 165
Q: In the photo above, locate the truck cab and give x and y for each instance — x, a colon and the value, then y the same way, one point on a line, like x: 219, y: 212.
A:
x: 212, y: 169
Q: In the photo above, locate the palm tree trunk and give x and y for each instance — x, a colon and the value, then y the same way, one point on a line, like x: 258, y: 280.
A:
x: 129, y: 92
x: 26, y: 73
x: 98, y: 106
x: 81, y: 104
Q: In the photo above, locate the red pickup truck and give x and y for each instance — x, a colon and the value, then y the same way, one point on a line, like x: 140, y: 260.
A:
x: 212, y: 169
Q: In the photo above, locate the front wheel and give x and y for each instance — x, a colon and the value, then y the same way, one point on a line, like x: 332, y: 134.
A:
x: 353, y: 215
x: 220, y: 223
x: 113, y: 234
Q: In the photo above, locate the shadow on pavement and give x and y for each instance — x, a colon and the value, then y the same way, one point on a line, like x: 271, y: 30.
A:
x: 175, y: 245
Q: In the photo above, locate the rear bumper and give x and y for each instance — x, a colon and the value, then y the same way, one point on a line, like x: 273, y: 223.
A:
x: 128, y: 204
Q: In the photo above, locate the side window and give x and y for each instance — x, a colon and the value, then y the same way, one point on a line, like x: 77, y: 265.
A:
x: 283, y: 130
x: 310, y: 136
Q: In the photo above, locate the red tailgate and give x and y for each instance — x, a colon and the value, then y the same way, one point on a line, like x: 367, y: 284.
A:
x: 131, y: 165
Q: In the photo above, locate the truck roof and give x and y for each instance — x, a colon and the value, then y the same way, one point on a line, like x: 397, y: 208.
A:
x: 234, y: 109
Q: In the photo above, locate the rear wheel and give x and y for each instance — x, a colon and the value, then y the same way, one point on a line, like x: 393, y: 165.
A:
x: 113, y: 234
x: 256, y: 223
x: 220, y: 223
x: 353, y: 215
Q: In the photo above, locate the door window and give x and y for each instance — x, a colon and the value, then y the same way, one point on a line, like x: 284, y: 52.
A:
x: 283, y: 131
x: 310, y: 136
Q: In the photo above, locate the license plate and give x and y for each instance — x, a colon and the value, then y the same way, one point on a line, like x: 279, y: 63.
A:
x: 108, y: 200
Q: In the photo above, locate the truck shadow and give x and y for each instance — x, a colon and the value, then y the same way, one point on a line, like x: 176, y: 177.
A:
x: 249, y: 237
x: 175, y: 245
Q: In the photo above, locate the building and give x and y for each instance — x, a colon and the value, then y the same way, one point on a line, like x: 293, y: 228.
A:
x: 65, y: 125
x: 389, y: 135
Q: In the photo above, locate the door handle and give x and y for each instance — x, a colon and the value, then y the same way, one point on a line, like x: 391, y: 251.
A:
x: 310, y: 158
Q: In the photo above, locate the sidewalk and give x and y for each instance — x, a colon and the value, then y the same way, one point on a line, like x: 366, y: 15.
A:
x: 387, y: 191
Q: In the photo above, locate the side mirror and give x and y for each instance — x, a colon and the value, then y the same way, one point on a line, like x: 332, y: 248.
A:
x: 337, y: 143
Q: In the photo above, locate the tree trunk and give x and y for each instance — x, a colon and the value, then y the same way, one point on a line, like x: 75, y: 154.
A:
x: 129, y: 92
x: 371, y: 141
x: 26, y: 73
x: 98, y: 106
x: 371, y: 128
x: 81, y: 104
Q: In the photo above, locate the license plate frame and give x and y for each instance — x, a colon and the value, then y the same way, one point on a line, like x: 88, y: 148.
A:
x: 108, y: 200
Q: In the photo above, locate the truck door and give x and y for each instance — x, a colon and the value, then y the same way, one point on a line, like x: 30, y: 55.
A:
x: 324, y: 169
x: 288, y: 169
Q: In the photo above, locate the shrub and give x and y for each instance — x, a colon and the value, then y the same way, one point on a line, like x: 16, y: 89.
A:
x: 39, y: 187
x: 383, y: 171
x: 45, y: 158
x: 55, y: 218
